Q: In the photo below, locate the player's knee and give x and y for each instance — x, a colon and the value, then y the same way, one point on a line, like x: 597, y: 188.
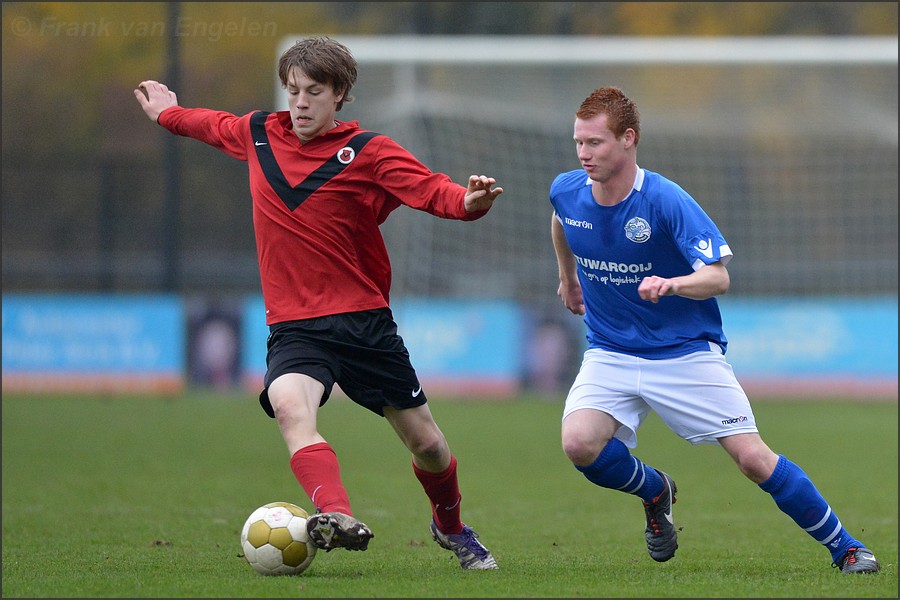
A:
x: 428, y: 448
x: 581, y: 450
x: 290, y: 410
x: 756, y: 465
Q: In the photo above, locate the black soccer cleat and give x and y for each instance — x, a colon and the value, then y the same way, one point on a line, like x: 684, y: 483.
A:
x: 662, y: 540
x: 336, y: 530
x: 858, y: 560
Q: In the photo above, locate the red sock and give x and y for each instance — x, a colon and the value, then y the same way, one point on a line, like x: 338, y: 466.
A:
x: 316, y: 468
x: 442, y: 490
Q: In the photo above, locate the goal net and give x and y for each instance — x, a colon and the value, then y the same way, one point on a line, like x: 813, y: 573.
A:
x: 790, y: 144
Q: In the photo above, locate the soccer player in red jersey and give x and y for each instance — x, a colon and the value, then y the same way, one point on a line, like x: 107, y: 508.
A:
x: 320, y: 189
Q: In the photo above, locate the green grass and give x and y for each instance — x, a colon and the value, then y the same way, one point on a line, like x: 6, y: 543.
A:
x: 145, y: 497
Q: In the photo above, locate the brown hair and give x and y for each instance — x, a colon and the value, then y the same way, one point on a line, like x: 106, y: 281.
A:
x: 323, y: 60
x: 621, y: 112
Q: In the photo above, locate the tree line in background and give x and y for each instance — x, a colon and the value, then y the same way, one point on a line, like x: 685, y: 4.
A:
x: 74, y: 139
x: 69, y: 67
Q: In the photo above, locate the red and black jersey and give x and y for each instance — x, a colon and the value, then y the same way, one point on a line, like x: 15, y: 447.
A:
x: 317, y: 206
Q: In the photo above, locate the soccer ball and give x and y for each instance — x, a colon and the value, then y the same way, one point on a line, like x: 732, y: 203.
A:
x: 275, y: 541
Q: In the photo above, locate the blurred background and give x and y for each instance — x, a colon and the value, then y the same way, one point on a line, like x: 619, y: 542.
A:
x: 781, y: 119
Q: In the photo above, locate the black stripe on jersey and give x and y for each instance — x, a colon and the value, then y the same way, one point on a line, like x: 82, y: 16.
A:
x: 295, y: 196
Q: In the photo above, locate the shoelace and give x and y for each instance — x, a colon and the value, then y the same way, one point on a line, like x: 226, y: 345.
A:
x: 473, y: 546
x: 654, y: 526
x: 849, y: 558
x: 653, y: 523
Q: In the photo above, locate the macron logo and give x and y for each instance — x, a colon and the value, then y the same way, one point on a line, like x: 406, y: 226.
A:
x: 582, y: 224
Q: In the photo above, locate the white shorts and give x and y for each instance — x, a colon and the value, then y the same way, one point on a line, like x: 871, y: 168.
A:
x: 697, y: 396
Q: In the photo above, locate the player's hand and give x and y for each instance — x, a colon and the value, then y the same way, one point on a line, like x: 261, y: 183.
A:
x: 653, y: 288
x: 571, y: 297
x: 154, y: 97
x: 480, y: 195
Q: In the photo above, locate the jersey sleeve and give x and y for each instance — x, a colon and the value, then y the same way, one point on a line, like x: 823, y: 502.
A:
x: 221, y: 130
x: 695, y: 233
x: 404, y: 177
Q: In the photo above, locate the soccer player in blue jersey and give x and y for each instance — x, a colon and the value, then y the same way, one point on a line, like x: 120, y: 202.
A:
x: 643, y: 262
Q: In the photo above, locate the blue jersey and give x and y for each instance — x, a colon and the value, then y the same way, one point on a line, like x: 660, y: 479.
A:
x: 659, y: 229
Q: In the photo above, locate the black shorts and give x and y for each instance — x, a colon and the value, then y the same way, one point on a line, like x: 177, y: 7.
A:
x: 360, y: 351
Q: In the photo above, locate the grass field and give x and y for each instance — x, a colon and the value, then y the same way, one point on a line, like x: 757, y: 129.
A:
x: 145, y: 497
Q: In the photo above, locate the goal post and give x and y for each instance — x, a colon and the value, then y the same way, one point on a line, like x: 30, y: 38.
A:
x: 591, y: 50
x: 790, y: 143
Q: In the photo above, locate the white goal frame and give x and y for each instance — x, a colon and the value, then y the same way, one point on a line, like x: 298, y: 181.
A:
x: 519, y: 49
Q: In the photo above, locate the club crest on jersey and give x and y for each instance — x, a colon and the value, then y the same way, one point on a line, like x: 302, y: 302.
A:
x: 637, y: 230
x: 346, y: 155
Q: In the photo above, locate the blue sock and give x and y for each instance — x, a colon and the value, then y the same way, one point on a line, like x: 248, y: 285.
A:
x: 799, y: 499
x: 615, y: 468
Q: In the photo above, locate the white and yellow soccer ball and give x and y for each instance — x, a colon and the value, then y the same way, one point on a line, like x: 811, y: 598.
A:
x: 274, y: 539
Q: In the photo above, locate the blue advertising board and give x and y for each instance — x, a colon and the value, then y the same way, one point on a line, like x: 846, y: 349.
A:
x: 456, y: 346
x: 833, y: 345
x: 105, y: 342
x: 72, y: 342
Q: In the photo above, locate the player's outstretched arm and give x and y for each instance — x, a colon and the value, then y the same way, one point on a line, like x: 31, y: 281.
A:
x: 154, y: 97
x: 480, y: 195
